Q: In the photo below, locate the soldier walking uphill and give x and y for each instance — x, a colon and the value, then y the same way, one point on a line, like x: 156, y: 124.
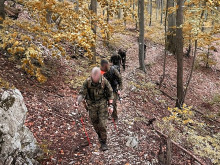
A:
x: 98, y: 95
x: 122, y: 54
x: 116, y: 61
x: 114, y: 78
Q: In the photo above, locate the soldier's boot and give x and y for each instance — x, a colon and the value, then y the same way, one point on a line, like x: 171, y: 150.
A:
x: 99, y: 137
x: 104, y: 146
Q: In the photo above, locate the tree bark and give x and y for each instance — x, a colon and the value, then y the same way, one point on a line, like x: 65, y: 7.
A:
x: 150, y: 12
x: 179, y: 53
x: 108, y: 18
x: 108, y: 14
x: 2, y: 12
x: 48, y: 16
x: 138, y: 16
x: 141, y: 35
x: 133, y: 8
x: 171, y: 29
x: 191, y: 72
x: 168, y: 151
x: 125, y: 16
x: 77, y: 6
x: 119, y: 13
x: 165, y: 50
x: 161, y: 12
x: 157, y: 8
x: 93, y: 24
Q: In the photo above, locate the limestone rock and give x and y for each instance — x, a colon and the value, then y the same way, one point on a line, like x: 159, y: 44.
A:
x: 17, y: 143
x: 132, y: 141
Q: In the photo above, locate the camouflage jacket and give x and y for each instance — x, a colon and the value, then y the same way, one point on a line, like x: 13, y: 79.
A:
x: 95, y: 92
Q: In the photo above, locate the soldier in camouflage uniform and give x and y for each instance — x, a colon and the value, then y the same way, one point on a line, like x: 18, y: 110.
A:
x: 115, y: 79
x: 98, y: 95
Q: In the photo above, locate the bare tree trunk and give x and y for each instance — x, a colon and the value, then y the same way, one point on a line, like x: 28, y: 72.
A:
x: 168, y: 152
x: 171, y: 46
x: 125, y: 16
x: 191, y: 72
x: 218, y: 21
x: 77, y: 6
x: 165, y: 50
x: 2, y: 12
x: 179, y: 53
x: 93, y: 24
x: 48, y: 16
x: 194, y: 57
x: 108, y: 15
x: 161, y: 12
x: 207, y: 57
x: 119, y: 13
x: 138, y: 15
x: 108, y: 18
x: 204, y: 14
x: 103, y: 12
x: 133, y: 8
x: 150, y: 12
x: 141, y: 35
x: 148, y: 6
x: 157, y: 8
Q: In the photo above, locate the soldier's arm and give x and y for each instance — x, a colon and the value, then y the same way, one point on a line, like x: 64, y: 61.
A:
x: 109, y: 91
x: 82, y: 92
x: 119, y: 79
x: 120, y: 59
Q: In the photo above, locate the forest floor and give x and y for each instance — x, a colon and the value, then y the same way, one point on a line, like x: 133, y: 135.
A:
x: 56, y: 124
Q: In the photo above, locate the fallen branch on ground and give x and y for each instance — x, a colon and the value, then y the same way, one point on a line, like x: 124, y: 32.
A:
x: 180, y: 147
x: 165, y: 94
x: 176, y: 144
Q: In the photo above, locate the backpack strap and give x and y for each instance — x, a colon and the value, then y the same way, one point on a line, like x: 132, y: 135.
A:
x: 103, y: 82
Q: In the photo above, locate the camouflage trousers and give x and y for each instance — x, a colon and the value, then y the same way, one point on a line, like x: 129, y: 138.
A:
x: 115, y: 114
x: 98, y: 113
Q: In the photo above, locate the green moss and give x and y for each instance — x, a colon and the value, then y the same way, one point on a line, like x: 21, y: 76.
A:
x: 7, y: 103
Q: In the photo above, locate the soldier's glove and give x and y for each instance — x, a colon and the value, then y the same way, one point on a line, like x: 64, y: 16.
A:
x: 76, y: 105
x: 110, y: 109
x: 119, y: 92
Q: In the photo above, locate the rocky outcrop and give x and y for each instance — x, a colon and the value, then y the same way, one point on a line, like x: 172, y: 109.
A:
x: 17, y: 143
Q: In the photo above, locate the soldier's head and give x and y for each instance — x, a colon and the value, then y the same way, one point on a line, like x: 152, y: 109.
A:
x: 104, y: 65
x: 96, y: 74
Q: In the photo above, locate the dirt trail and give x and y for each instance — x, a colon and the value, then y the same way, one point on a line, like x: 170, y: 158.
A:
x: 57, y: 127
x: 127, y: 128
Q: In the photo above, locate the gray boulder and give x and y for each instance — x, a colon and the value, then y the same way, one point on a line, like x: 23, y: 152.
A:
x: 17, y: 143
